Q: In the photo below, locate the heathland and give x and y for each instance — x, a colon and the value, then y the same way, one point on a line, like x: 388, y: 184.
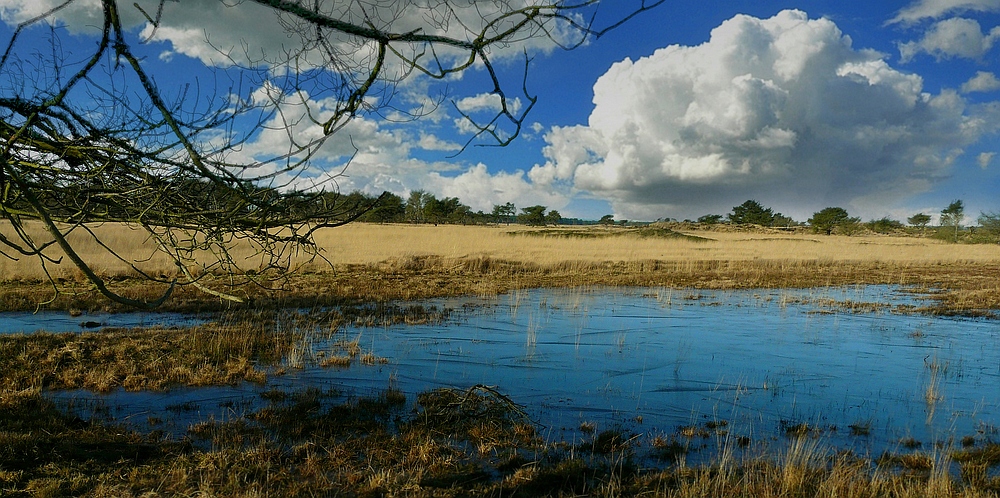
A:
x: 382, y: 262
x: 460, y: 441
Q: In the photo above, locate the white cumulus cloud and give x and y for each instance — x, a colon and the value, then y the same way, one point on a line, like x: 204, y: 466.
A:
x: 982, y: 82
x: 432, y: 142
x: 935, y: 9
x: 487, y: 102
x: 481, y: 190
x: 784, y: 110
x: 368, y: 156
x: 957, y: 37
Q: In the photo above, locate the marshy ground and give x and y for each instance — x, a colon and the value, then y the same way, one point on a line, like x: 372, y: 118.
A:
x: 366, y: 263
x: 462, y: 441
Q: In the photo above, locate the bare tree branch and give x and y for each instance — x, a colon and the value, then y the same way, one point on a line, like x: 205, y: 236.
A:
x: 92, y: 138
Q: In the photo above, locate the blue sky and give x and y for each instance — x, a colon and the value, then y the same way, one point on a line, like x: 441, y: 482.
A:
x: 884, y: 108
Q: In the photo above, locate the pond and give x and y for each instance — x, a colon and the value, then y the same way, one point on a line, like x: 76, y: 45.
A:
x: 751, y: 365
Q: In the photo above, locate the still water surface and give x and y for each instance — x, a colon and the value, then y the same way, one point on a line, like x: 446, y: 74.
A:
x: 761, y: 360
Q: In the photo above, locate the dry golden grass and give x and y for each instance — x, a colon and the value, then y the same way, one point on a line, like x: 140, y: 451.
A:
x: 410, y: 261
x: 379, y: 262
x: 142, y: 359
x: 368, y: 244
x: 131, y: 242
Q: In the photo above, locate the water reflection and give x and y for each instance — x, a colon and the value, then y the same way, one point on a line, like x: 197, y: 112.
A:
x: 763, y: 361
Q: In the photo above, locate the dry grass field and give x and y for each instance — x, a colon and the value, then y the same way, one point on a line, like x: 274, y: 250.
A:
x: 369, y: 244
x: 365, y: 261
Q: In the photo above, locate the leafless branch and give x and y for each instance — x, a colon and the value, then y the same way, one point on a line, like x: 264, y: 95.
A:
x: 94, y: 138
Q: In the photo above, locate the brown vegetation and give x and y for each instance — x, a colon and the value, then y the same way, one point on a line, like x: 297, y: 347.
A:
x: 448, y: 443
x: 239, y: 347
x: 382, y: 262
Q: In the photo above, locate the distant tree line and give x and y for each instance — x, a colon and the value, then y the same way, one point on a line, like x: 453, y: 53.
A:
x: 836, y: 220
x: 987, y: 231
x: 750, y: 212
x: 424, y: 207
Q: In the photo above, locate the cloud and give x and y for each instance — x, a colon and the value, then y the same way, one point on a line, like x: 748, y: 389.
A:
x: 89, y: 13
x: 985, y: 158
x: 783, y: 110
x: 957, y: 37
x: 484, y: 111
x: 363, y: 155
x: 482, y: 190
x: 568, y: 149
x: 248, y: 33
x: 935, y: 9
x: 487, y: 102
x: 982, y: 82
x: 208, y: 30
x: 431, y: 142
x: 368, y: 156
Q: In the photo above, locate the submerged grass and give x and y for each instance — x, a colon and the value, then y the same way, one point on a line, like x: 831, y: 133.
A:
x: 447, y: 442
x: 238, y: 347
x: 969, y: 288
x: 141, y: 359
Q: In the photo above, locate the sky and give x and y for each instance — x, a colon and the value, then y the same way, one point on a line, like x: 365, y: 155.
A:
x: 885, y: 108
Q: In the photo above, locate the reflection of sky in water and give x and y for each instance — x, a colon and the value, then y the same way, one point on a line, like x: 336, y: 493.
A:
x: 680, y: 357
x: 753, y: 358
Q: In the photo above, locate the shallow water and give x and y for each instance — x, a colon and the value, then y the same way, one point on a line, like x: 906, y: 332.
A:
x: 60, y: 321
x: 761, y: 360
